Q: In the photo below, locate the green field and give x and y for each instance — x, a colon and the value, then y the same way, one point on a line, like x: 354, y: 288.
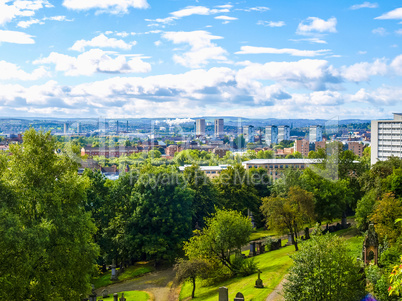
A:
x: 140, y: 268
x: 131, y: 296
x: 273, y: 265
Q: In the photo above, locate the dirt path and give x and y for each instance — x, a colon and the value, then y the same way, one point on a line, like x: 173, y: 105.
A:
x: 158, y: 283
x: 276, y: 294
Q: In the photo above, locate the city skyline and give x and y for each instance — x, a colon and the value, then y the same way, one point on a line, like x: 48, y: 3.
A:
x: 153, y: 59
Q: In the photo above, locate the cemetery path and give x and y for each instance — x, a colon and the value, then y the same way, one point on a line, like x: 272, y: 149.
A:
x: 276, y: 294
x: 159, y: 283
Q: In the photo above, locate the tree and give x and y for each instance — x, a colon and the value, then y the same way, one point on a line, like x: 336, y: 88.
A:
x: 365, y: 207
x: 191, y: 270
x: 225, y: 232
x: 289, y: 214
x: 386, y: 211
x: 205, y: 194
x: 236, y: 190
x: 323, y: 270
x: 47, y: 249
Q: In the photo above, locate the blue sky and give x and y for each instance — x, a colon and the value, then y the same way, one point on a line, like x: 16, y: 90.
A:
x: 184, y: 58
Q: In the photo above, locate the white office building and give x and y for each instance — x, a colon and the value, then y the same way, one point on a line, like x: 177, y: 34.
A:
x: 315, y: 133
x: 200, y: 127
x: 271, y: 134
x: 219, y: 128
x: 283, y: 133
x: 248, y: 133
x: 386, y: 138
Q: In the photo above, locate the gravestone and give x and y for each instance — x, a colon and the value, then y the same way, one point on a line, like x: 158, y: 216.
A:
x: 114, y: 273
x: 92, y: 296
x: 239, y: 297
x: 290, y: 240
x: 258, y: 282
x: 223, y: 294
x: 258, y: 247
x: 105, y: 293
x: 122, y: 297
x: 344, y: 221
x: 252, y: 249
x: 306, y: 233
x: 115, y: 297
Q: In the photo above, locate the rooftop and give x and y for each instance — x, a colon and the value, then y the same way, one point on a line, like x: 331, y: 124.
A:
x: 283, y: 161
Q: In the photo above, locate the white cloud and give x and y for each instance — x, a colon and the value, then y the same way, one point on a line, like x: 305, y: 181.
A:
x: 316, y: 25
x: 396, y: 65
x: 58, y: 18
x: 380, y: 31
x: 310, y: 40
x: 395, y: 14
x: 26, y: 24
x: 189, y: 11
x: 308, y: 73
x: 361, y: 52
x: 106, y: 6
x: 398, y: 31
x: 12, y: 71
x: 384, y: 95
x: 20, y: 8
x: 93, y: 61
x: 256, y: 8
x: 363, y: 71
x: 226, y: 18
x: 364, y: 5
x: 292, y: 52
x: 102, y: 41
x: 15, y: 37
x: 271, y: 23
x: 202, y: 49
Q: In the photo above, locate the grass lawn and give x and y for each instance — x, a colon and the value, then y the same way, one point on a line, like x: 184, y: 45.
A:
x: 136, y: 270
x: 260, y: 233
x: 132, y: 296
x: 274, y: 266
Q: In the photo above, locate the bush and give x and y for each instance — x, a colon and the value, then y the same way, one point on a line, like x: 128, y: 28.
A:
x: 243, y: 266
x: 324, y: 271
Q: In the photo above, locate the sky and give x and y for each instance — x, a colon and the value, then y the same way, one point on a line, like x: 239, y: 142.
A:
x: 190, y: 58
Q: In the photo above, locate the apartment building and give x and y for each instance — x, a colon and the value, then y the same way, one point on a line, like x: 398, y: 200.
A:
x: 219, y: 133
x: 271, y: 135
x: 356, y: 147
x: 302, y: 146
x: 386, y: 138
x: 315, y: 133
x: 248, y: 133
x: 200, y: 127
x: 283, y: 133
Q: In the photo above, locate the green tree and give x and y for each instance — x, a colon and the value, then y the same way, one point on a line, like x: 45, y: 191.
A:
x: 205, y: 194
x: 288, y: 215
x: 47, y: 250
x: 323, y: 270
x: 191, y: 270
x: 225, y: 232
x: 237, y: 190
x: 365, y: 207
x: 386, y: 211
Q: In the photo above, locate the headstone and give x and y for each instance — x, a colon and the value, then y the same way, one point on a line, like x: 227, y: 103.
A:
x: 105, y: 293
x: 122, y: 297
x: 114, y: 273
x: 239, y: 297
x: 306, y: 233
x: 252, y: 249
x: 344, y: 221
x: 223, y: 294
x: 258, y: 282
x: 92, y: 296
x: 115, y: 297
x: 290, y: 240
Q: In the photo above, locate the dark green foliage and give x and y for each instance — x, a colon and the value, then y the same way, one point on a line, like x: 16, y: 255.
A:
x: 47, y: 252
x: 365, y: 208
x: 324, y: 271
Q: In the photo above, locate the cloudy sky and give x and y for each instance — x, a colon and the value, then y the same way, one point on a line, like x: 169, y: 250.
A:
x: 188, y: 58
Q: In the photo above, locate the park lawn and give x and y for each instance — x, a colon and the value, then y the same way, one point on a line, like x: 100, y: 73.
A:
x: 273, y: 265
x: 132, y: 296
x: 261, y: 233
x: 139, y: 269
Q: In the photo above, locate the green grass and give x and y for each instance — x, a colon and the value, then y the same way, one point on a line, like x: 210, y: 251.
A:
x: 136, y: 270
x: 274, y: 266
x: 131, y: 296
x: 261, y: 233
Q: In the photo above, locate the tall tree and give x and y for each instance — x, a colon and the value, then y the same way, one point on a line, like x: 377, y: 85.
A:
x: 288, y: 214
x: 47, y: 249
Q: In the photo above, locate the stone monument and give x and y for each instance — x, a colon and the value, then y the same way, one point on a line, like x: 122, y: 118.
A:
x: 223, y: 294
x: 114, y: 272
x: 239, y: 297
x: 370, y: 246
x: 258, y: 282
